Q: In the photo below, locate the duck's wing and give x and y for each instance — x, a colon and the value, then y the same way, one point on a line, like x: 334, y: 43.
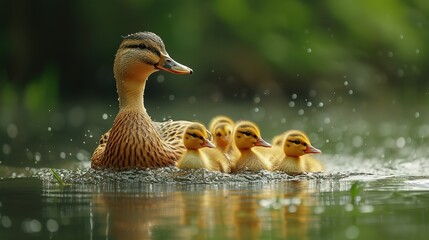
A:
x: 99, y: 151
x: 171, y: 132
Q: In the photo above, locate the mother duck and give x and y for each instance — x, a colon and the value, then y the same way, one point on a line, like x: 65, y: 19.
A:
x: 135, y: 141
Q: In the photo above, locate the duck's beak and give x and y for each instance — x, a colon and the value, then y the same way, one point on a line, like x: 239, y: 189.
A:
x: 166, y: 63
x: 208, y: 143
x: 311, y: 149
x: 262, y: 143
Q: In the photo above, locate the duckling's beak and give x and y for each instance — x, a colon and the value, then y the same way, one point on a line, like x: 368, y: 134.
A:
x: 262, y: 143
x: 166, y: 63
x: 311, y: 149
x: 208, y: 143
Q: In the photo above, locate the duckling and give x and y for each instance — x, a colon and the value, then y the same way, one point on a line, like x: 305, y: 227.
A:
x: 134, y: 140
x: 247, y: 136
x: 293, y: 159
x: 195, y: 137
x: 221, y: 128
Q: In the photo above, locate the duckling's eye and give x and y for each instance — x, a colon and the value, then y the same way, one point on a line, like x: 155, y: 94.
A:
x: 218, y: 134
x: 305, y: 144
x: 295, y: 141
x: 142, y: 46
x: 193, y: 135
x: 245, y: 133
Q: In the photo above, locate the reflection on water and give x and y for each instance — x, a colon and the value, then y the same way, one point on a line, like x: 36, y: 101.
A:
x: 297, y: 209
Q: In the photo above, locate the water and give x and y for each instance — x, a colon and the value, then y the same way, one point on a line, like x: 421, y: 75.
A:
x: 384, y: 154
x: 170, y: 203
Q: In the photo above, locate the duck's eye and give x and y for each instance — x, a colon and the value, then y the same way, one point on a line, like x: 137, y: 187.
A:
x: 305, y: 144
x: 142, y: 46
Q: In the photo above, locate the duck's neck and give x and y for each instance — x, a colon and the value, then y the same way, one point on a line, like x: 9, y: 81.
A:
x: 130, y: 84
x: 131, y: 94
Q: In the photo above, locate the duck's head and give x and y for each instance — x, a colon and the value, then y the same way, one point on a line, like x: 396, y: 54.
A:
x: 247, y: 135
x: 144, y: 53
x: 196, y: 136
x: 221, y: 128
x: 296, y: 144
x: 222, y: 133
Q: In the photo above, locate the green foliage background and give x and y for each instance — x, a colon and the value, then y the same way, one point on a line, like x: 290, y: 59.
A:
x: 280, y: 46
x: 56, y: 60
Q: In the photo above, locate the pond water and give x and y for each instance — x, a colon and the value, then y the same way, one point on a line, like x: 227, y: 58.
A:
x: 376, y: 184
x: 386, y: 201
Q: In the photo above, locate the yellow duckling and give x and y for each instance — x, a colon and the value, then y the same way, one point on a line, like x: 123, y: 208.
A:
x: 293, y: 159
x: 247, y: 136
x: 195, y: 137
x: 221, y: 128
x: 134, y: 140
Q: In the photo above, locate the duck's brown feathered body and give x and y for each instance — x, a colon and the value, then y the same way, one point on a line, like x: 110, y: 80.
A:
x: 135, y: 140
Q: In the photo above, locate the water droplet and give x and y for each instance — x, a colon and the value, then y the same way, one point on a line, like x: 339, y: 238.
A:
x: 400, y: 142
x: 6, y: 222
x: 346, y: 83
x: 309, y: 104
x: 52, y: 225
x: 327, y: 120
x: 267, y: 92
x: 283, y: 120
x: 320, y: 104
x: 301, y: 112
x: 417, y: 115
x: 294, y: 96
x: 291, y: 104
x: 37, y: 157
x: 31, y: 226
x: 12, y: 130
x: 256, y: 109
x: 80, y: 156
x: 62, y: 155
x: 257, y: 100
x: 49, y: 129
x: 352, y: 232
x: 390, y: 54
x: 160, y: 78
x: 350, y: 92
x: 401, y: 36
x: 6, y: 149
x: 105, y: 116
x: 309, y: 50
x: 366, y: 209
x: 417, y: 51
